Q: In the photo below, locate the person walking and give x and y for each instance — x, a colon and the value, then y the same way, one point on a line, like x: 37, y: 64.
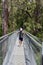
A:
x: 21, y: 36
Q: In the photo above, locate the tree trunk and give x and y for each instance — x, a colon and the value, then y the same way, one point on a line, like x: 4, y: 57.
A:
x: 5, y: 16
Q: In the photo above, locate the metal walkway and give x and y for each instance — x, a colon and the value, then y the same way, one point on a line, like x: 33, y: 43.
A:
x: 17, y: 55
x: 23, y: 55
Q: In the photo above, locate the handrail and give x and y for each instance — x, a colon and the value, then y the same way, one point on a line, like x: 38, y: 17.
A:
x: 5, y: 37
x: 33, y: 40
x: 11, y: 43
x: 37, y: 39
x: 5, y: 45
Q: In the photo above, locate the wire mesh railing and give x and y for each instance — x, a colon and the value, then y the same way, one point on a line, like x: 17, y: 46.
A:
x: 4, y: 45
x: 37, y: 48
x: 33, y: 49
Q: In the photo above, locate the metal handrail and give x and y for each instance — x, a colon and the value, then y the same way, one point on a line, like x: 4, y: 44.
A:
x: 34, y: 41
x: 11, y: 43
x: 36, y: 38
x: 4, y: 41
x: 3, y: 38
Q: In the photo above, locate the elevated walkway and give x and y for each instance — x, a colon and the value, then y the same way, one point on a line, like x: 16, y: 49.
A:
x: 23, y: 55
x: 17, y: 57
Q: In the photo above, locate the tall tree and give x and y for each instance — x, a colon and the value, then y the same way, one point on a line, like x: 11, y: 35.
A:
x: 5, y: 15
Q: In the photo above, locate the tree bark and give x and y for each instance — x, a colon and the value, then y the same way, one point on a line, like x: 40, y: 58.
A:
x: 5, y: 16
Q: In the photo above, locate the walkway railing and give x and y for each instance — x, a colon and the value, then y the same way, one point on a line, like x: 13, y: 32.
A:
x: 5, y: 44
x: 33, y: 39
x: 37, y: 39
x: 36, y: 46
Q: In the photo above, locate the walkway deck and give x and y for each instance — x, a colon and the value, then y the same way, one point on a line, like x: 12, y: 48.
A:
x: 17, y: 56
x: 23, y: 55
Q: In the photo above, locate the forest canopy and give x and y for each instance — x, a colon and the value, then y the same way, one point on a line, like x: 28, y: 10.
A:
x: 23, y: 13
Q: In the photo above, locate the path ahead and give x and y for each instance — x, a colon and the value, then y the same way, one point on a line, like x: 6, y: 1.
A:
x: 23, y: 55
x: 17, y: 56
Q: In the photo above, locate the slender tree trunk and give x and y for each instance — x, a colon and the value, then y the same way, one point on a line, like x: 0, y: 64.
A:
x: 5, y: 16
x: 4, y: 24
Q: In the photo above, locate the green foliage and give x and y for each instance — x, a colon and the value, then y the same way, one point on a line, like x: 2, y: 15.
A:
x: 19, y: 18
x: 38, y: 58
x: 0, y: 1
